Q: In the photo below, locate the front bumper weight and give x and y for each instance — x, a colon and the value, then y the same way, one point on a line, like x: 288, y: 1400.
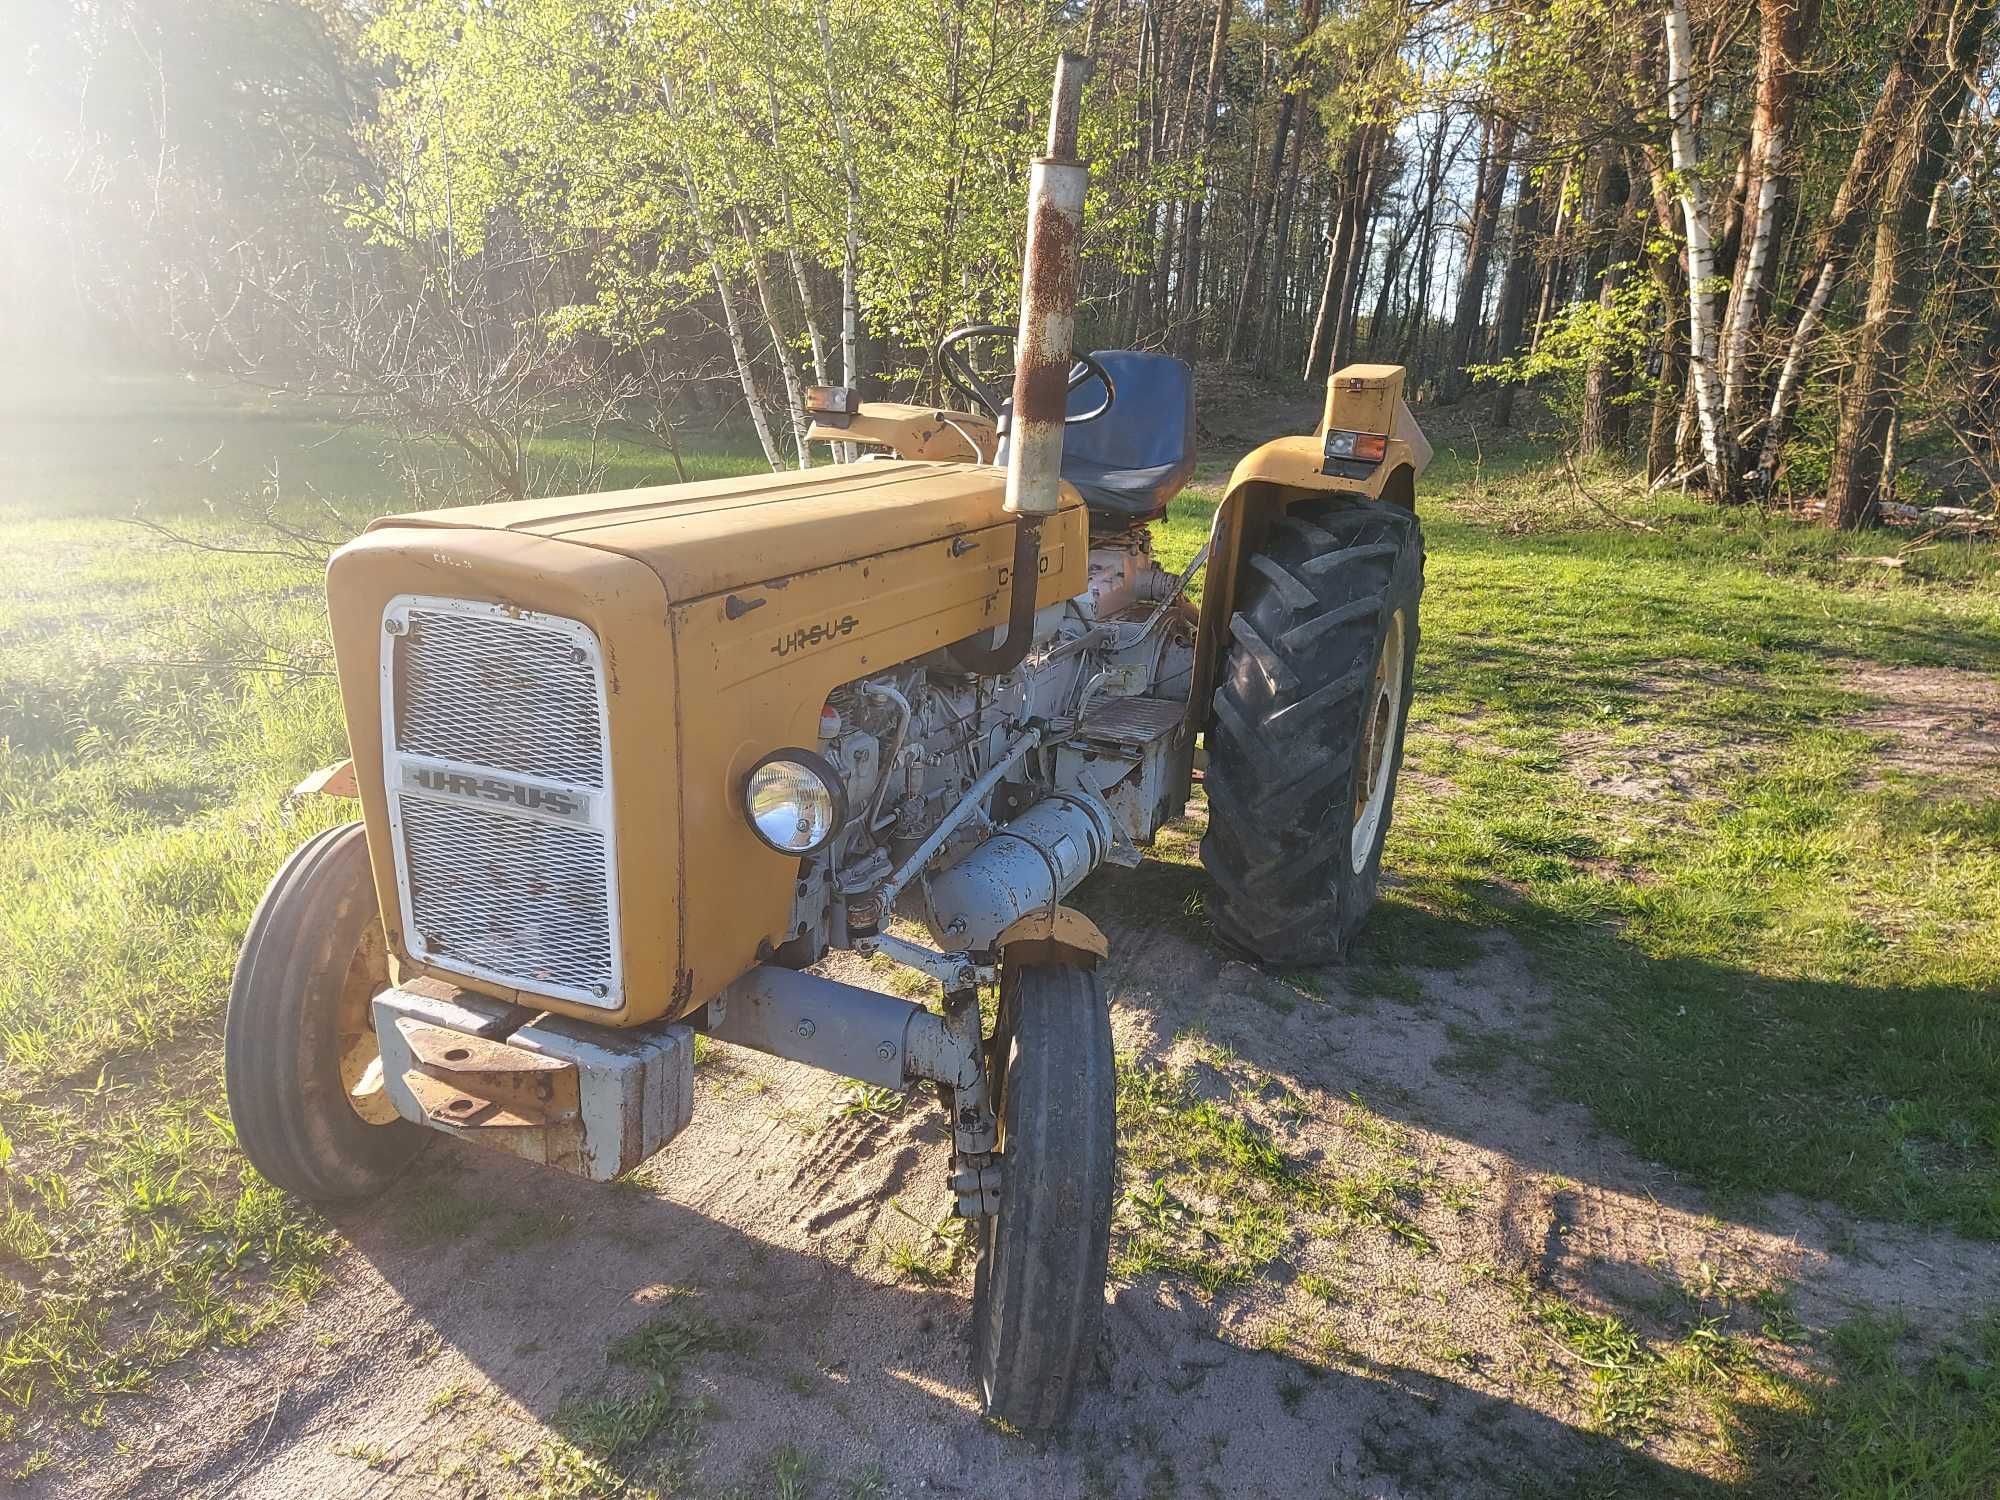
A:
x: 591, y: 1100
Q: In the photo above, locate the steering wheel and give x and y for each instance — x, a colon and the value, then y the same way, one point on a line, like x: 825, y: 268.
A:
x: 969, y: 383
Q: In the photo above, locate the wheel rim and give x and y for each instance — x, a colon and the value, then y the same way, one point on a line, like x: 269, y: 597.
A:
x: 1378, y: 743
x: 354, y: 1029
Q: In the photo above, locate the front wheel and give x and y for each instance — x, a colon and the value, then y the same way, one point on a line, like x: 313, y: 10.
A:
x: 300, y: 1064
x: 1308, y: 732
x: 1038, y: 1294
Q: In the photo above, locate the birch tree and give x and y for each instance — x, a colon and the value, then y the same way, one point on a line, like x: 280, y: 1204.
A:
x: 1718, y: 455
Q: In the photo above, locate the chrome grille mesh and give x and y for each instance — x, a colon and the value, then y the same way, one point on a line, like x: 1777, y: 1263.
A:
x: 508, y: 895
x: 500, y: 799
x: 499, y: 691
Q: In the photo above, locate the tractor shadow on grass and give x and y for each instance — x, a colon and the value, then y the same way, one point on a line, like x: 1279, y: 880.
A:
x: 1517, y: 1121
x: 1548, y: 1037
x: 519, y: 1325
x: 772, y: 1301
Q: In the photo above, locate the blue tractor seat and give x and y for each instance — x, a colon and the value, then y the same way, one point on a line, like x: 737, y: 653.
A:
x: 1133, y: 460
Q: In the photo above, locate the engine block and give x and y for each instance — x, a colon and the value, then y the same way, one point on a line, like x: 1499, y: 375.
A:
x: 1105, y: 682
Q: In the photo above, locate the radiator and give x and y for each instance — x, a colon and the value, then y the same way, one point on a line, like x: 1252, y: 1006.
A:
x: 497, y: 759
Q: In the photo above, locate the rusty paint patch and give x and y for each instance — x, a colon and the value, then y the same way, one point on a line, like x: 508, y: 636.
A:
x: 1049, y: 284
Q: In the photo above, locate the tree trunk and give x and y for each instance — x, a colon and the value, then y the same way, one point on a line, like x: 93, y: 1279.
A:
x: 1716, y: 449
x: 1784, y: 27
x: 798, y: 261
x: 1514, y: 292
x: 1556, y: 270
x: 850, y: 301
x: 1868, y: 404
x: 850, y: 305
x: 788, y: 365
x: 1417, y: 310
x: 1187, y: 302
x: 1339, y: 245
x: 732, y: 323
x: 1281, y: 240
x: 1392, y: 267
x: 1604, y: 417
x: 1246, y: 306
x: 1669, y: 271
x: 1478, y: 254
x: 1360, y: 242
x: 1839, y: 235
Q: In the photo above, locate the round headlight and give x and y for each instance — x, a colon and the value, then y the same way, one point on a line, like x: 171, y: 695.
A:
x: 795, y: 801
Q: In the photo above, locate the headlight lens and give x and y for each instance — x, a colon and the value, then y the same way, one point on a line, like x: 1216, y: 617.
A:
x: 794, y: 801
x: 1368, y: 447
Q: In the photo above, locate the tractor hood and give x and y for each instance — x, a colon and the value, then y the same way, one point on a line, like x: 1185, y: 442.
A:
x: 704, y: 538
x: 552, y: 706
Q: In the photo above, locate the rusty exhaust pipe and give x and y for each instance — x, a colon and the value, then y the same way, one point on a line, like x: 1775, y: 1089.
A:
x: 1050, y: 272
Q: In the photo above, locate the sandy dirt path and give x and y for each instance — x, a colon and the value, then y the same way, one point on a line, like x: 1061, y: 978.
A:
x: 1358, y: 1363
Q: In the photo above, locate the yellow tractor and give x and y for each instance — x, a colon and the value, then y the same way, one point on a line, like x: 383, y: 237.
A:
x: 630, y: 764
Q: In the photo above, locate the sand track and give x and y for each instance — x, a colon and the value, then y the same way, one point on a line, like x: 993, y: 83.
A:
x: 485, y: 1292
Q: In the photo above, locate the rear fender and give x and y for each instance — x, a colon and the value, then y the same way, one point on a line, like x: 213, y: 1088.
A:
x: 929, y: 433
x: 1272, y: 479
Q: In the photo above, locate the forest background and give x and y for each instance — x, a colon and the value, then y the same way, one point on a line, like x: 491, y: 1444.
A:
x: 1750, y: 246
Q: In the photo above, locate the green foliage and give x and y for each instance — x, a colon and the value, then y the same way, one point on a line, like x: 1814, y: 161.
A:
x: 660, y: 146
x: 1610, y: 334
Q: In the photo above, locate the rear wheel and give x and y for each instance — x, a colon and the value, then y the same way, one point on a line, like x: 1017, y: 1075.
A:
x: 300, y: 1064
x: 1038, y: 1294
x: 1308, y: 732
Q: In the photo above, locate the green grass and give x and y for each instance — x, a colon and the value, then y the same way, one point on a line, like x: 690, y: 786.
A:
x: 1787, y: 981
x: 1783, y: 979
x: 1894, y: 1420
x: 144, y: 762
x: 1212, y: 1198
x: 623, y: 1437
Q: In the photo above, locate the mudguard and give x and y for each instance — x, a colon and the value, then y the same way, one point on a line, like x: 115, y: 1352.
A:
x: 1271, y: 479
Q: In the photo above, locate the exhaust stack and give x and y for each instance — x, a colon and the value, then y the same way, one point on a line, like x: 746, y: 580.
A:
x: 1049, y: 275
x: 1050, y: 271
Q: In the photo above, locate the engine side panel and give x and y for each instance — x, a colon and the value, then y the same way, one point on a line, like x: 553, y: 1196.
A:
x: 756, y: 666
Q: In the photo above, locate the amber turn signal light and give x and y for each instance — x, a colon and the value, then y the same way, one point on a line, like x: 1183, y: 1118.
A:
x: 1367, y: 447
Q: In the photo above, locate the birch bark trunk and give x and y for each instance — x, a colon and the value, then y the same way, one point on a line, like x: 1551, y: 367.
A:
x: 788, y: 366
x: 1783, y: 27
x: 850, y: 304
x: 732, y: 323
x: 1715, y: 445
x: 792, y: 241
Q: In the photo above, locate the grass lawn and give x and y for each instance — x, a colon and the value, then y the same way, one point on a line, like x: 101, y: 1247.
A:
x: 1774, y: 960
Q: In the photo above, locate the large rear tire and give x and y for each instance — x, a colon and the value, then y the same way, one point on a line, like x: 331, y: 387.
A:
x: 300, y: 1065
x: 1038, y: 1293
x: 1308, y: 734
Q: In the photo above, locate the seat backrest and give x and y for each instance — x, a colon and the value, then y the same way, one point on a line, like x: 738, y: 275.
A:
x: 1130, y: 462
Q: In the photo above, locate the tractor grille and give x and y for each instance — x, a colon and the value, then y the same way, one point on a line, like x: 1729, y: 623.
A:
x: 499, y: 784
x: 500, y: 691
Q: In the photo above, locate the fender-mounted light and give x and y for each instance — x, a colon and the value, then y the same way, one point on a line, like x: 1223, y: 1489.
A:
x: 795, y: 801
x: 1366, y: 447
x: 832, y: 405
